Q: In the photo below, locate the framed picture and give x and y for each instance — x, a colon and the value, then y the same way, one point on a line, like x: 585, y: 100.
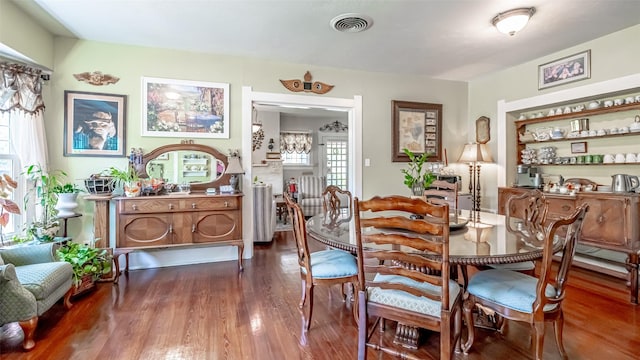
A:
x: 579, y: 147
x: 94, y: 124
x: 182, y: 108
x: 562, y: 71
x: 417, y: 127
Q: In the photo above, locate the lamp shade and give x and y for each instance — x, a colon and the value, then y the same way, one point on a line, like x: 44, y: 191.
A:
x: 512, y: 21
x: 234, y: 166
x: 475, y: 152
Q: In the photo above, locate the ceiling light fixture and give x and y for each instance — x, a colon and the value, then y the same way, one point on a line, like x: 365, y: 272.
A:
x: 512, y: 21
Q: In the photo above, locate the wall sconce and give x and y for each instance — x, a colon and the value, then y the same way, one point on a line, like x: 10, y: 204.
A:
x: 512, y: 21
x: 270, y: 144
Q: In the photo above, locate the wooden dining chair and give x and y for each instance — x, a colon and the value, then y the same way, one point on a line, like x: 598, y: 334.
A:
x: 337, y: 200
x: 529, y: 211
x: 403, y: 274
x: 441, y: 191
x: 521, y: 297
x: 326, y: 267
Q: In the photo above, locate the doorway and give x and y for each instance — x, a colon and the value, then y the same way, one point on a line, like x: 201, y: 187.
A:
x: 351, y: 106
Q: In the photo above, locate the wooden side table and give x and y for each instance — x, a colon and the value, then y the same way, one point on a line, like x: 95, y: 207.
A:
x: 281, y: 208
x: 117, y: 252
x: 100, y: 218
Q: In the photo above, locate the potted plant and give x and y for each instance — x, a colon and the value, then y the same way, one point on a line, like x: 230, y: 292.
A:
x: 417, y: 177
x: 7, y: 206
x: 67, y: 195
x: 45, y: 225
x: 88, y: 264
x: 129, y: 180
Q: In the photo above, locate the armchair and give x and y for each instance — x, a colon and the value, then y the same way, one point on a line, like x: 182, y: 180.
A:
x: 310, y: 189
x: 31, y: 281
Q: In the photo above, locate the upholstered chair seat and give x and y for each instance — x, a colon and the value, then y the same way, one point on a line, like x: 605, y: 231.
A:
x: 329, y: 264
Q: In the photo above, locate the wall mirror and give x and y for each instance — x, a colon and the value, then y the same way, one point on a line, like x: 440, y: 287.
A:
x: 199, y: 165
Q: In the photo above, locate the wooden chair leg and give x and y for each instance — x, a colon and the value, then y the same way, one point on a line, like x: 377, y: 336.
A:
x: 468, y: 307
x: 558, y: 325
x: 29, y: 328
x: 538, y: 336
x: 304, y: 293
x: 67, y: 299
x: 362, y: 326
x: 309, y: 307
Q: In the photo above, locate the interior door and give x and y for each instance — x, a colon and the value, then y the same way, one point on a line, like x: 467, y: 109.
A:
x: 334, y: 159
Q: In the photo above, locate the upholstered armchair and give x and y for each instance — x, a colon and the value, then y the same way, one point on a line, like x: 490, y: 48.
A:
x: 31, y: 281
x: 310, y: 189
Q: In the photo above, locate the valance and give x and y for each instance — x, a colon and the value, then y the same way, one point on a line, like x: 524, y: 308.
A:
x: 295, y: 142
x: 20, y: 88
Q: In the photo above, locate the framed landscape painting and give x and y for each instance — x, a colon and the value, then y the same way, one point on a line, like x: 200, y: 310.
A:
x: 94, y: 124
x: 417, y: 127
x: 183, y: 108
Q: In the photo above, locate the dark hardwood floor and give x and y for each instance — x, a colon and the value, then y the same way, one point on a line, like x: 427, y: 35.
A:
x: 209, y: 311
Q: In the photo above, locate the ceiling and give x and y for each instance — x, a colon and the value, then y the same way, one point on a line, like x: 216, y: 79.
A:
x: 445, y: 39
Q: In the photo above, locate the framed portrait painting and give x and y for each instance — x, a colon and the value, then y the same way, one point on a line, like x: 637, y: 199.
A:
x: 94, y: 124
x: 566, y: 70
x: 417, y: 127
x: 185, y: 109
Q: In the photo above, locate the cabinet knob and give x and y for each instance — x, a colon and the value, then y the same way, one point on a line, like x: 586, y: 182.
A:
x: 193, y: 228
x: 193, y: 205
x: 134, y: 207
x: 170, y: 206
x: 226, y: 204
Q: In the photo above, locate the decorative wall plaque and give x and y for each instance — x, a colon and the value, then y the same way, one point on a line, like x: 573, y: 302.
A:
x: 96, y: 78
x: 297, y: 85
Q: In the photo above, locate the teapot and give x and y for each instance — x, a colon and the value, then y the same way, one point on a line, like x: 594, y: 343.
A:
x: 624, y: 183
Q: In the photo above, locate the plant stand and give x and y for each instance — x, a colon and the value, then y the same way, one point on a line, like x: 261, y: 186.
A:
x: 87, y: 283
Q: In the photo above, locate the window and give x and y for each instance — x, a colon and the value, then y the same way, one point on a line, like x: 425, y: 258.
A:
x: 336, y: 157
x: 295, y: 158
x: 10, y: 164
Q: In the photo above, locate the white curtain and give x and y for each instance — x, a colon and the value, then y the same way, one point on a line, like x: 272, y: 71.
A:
x: 295, y: 142
x: 22, y: 106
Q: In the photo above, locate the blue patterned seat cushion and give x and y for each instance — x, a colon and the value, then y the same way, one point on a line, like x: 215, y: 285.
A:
x: 404, y: 300
x: 510, y: 289
x: 329, y: 264
x: 45, y: 278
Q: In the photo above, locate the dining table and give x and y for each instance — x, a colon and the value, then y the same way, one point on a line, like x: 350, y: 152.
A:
x: 476, y: 238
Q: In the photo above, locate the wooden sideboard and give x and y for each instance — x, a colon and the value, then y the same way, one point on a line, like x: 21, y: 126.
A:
x: 612, y: 222
x: 179, y: 220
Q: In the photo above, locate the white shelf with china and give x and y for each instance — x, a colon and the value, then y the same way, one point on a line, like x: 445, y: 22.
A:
x: 536, y: 132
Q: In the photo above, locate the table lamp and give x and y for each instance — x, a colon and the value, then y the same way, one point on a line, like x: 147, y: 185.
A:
x: 474, y: 154
x: 234, y: 168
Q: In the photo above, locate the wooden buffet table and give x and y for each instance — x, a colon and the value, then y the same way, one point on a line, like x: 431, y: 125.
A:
x: 612, y: 222
x: 179, y: 220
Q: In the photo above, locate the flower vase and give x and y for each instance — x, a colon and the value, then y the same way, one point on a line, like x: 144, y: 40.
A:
x: 417, y: 189
x: 132, y: 189
x: 67, y: 203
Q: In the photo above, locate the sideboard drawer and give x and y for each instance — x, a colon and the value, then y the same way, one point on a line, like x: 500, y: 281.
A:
x: 148, y: 205
x: 210, y: 203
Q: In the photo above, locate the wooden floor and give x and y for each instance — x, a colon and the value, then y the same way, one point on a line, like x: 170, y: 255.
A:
x: 209, y: 311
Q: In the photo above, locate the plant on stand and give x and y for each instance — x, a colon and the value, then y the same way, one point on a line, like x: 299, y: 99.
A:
x: 8, y: 206
x: 417, y: 177
x: 45, y: 225
x: 88, y: 264
x: 67, y: 195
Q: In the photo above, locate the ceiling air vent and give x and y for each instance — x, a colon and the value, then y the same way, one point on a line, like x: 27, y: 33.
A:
x: 351, y: 23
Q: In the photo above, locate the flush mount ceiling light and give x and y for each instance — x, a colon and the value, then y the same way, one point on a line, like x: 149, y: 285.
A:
x: 351, y: 23
x: 512, y: 21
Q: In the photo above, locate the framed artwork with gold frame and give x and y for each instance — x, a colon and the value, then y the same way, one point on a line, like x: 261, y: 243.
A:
x: 483, y: 130
x: 417, y: 127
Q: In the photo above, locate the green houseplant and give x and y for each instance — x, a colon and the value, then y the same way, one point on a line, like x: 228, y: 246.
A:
x: 88, y: 263
x: 128, y: 179
x: 45, y: 225
x: 417, y: 177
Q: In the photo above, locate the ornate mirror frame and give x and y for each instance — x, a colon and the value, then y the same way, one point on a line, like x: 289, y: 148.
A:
x: 197, y: 187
